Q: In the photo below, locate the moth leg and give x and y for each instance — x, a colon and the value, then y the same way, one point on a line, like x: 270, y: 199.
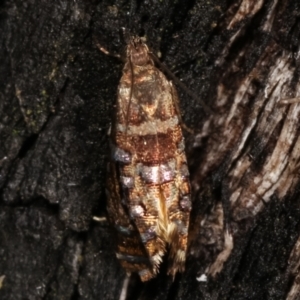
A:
x: 99, y: 219
x: 124, y: 290
x: 105, y: 51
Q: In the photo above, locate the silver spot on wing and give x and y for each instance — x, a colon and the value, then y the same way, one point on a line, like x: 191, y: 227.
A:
x: 150, y: 174
x: 184, y: 171
x: 167, y: 171
x: 120, y: 155
x: 148, y: 235
x: 145, y: 273
x: 136, y: 211
x: 185, y: 203
x: 124, y: 230
x: 132, y: 258
x: 181, y: 227
x: 181, y: 146
x: 158, y: 173
x: 127, y: 182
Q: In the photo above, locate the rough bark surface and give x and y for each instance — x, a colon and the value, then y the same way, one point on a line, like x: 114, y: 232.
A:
x: 56, y: 94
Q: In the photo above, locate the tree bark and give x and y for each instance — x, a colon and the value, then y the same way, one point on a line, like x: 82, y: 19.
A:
x: 56, y: 94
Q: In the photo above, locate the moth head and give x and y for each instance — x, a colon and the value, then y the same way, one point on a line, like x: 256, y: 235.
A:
x: 138, y: 52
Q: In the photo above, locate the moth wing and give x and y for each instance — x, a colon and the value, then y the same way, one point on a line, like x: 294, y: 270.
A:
x: 130, y: 249
x: 180, y: 206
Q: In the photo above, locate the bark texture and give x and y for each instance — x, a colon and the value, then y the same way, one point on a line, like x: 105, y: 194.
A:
x: 56, y: 94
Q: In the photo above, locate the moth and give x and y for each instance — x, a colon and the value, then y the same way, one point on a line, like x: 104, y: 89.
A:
x: 148, y: 188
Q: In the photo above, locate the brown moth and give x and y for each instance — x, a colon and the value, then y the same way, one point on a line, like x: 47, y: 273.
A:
x: 148, y: 189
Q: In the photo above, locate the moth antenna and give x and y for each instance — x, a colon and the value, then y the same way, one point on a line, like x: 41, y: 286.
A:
x: 130, y: 96
x: 105, y: 51
x: 126, y: 35
x: 206, y: 108
x: 133, y: 6
x: 176, y: 102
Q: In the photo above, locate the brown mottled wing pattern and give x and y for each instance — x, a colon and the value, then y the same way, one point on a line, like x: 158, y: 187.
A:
x: 148, y: 186
x: 130, y: 250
